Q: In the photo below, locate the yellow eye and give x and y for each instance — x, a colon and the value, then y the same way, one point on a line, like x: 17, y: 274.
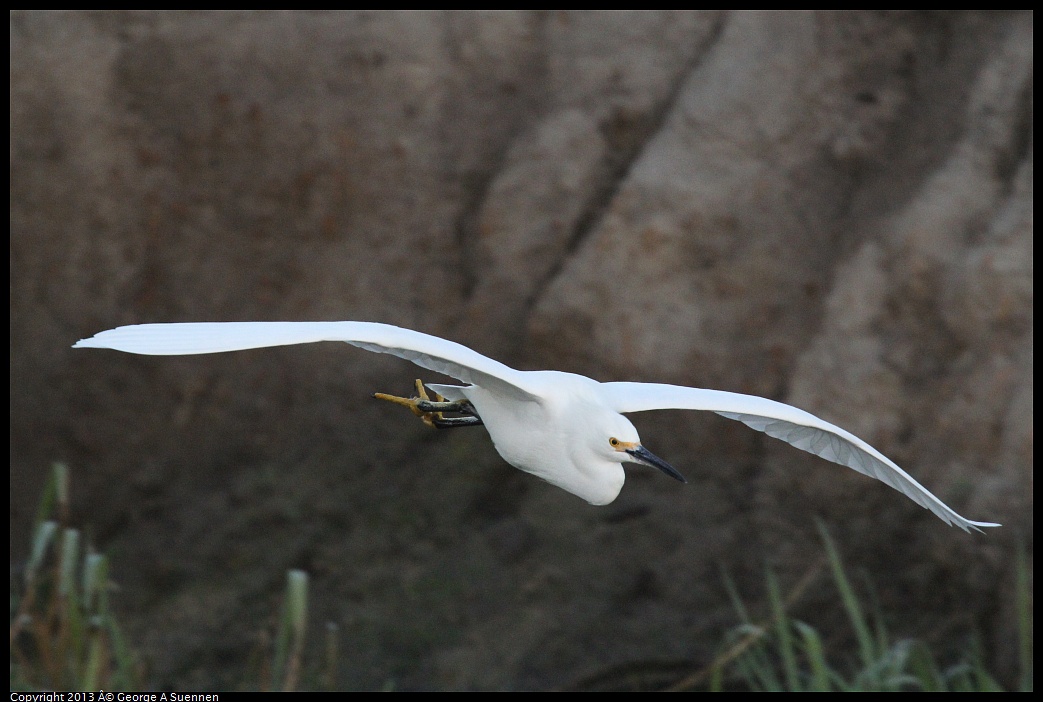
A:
x: 613, y: 442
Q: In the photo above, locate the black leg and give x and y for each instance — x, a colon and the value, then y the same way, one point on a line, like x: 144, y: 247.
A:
x: 450, y: 422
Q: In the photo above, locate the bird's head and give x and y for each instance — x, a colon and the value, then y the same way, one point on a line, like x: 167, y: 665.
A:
x: 616, y: 440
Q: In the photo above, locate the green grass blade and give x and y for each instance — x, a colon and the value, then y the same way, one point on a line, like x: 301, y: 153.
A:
x: 866, y: 647
x: 57, y: 485
x: 923, y: 669
x: 95, y: 581
x: 42, y: 539
x: 816, y: 657
x: 96, y: 655
x: 1023, y: 594
x: 70, y: 557
x: 733, y: 595
x: 332, y: 648
x: 783, y: 634
x: 290, y: 642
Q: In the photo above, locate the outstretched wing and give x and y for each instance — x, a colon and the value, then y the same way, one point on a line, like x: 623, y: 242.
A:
x: 424, y: 350
x: 792, y: 425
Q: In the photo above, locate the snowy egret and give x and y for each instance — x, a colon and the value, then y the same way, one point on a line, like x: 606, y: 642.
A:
x: 565, y: 428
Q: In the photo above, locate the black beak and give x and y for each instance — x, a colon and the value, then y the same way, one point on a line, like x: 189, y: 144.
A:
x: 645, y: 456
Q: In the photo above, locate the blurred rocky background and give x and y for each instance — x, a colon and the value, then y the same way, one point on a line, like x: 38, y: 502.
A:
x: 831, y: 209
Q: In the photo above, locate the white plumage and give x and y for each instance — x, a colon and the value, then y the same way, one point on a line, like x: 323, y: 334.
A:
x: 565, y: 428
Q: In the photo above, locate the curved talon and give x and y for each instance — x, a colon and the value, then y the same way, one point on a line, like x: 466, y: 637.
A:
x: 431, y: 411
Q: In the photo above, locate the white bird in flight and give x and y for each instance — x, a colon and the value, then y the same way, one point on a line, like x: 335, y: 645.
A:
x: 565, y: 428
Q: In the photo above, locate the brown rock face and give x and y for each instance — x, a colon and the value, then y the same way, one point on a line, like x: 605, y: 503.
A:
x: 829, y: 209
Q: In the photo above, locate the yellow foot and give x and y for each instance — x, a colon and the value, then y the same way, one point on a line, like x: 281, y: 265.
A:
x: 427, y: 418
x: 430, y: 410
